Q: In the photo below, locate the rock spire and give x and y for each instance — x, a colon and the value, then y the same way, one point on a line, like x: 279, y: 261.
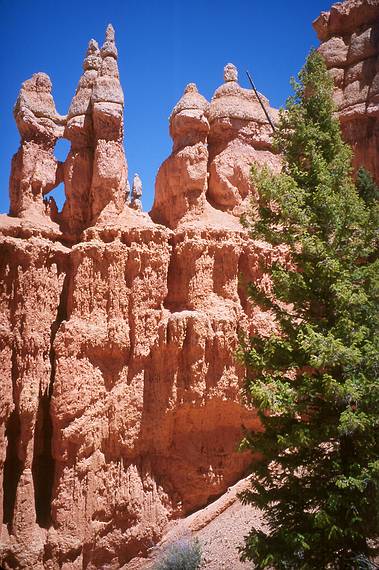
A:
x: 35, y: 171
x: 96, y: 168
x: 181, y: 181
x: 109, y: 166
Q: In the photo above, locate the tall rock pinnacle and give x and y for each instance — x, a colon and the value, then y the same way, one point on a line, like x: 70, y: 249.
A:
x: 95, y: 169
x: 110, y: 172
x: 182, y: 179
x: 35, y: 171
x: 79, y: 130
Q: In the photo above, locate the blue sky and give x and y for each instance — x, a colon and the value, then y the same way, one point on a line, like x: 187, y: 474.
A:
x: 162, y: 45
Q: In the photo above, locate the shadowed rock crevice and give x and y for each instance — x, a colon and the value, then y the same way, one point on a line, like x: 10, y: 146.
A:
x: 43, y: 462
x: 12, y: 467
x: 43, y: 466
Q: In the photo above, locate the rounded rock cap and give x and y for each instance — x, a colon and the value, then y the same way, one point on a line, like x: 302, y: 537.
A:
x: 231, y: 101
x: 190, y: 100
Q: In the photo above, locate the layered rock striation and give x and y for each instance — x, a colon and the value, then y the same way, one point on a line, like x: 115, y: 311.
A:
x: 350, y: 46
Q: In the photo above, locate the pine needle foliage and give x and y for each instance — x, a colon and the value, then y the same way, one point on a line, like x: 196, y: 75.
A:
x: 315, y: 384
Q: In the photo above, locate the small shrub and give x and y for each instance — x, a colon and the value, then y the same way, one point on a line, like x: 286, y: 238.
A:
x: 184, y: 554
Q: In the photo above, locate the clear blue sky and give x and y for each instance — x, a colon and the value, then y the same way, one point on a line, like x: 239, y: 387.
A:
x: 162, y: 45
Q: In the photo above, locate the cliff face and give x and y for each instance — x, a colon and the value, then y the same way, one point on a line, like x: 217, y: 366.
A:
x: 350, y: 45
x: 121, y: 404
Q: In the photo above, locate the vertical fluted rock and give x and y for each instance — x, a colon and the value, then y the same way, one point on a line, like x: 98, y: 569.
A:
x: 31, y: 277
x: 182, y: 179
x: 35, y: 171
x: 109, y: 178
x: 350, y: 46
x: 79, y: 163
x: 239, y: 135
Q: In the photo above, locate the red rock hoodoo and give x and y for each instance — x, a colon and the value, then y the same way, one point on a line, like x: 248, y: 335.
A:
x: 121, y: 402
x: 121, y: 394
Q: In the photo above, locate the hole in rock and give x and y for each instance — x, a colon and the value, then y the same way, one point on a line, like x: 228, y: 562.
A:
x: 43, y: 462
x: 12, y: 467
x: 61, y: 149
x: 58, y: 195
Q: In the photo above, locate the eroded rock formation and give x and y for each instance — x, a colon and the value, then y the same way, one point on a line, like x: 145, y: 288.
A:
x: 350, y: 36
x: 182, y: 179
x: 121, y: 403
x: 96, y: 168
x: 239, y: 135
x: 214, y: 146
x: 35, y: 171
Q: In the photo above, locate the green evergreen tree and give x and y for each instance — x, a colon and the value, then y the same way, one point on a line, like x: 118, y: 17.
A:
x: 315, y: 384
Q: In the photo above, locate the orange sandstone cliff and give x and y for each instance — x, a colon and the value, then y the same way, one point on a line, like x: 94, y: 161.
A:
x: 121, y: 405
x: 121, y: 395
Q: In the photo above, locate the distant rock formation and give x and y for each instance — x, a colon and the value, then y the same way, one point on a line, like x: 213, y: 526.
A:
x: 350, y: 46
x: 136, y: 203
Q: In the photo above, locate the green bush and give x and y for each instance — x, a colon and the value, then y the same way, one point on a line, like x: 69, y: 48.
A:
x: 184, y: 554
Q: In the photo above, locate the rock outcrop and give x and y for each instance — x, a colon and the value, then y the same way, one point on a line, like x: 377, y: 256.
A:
x: 350, y: 47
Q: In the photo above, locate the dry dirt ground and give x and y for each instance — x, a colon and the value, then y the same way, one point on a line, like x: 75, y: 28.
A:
x: 219, y: 527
